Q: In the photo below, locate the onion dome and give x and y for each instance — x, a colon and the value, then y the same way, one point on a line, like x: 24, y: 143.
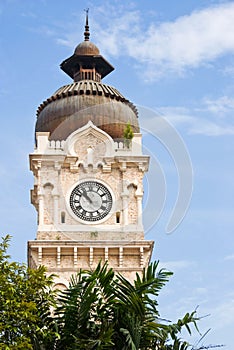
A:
x: 87, y: 48
x: 87, y: 98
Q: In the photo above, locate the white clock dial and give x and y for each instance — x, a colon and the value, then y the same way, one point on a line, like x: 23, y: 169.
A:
x: 91, y: 201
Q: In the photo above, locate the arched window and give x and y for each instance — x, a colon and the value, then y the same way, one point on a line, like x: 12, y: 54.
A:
x: 62, y: 217
x: 117, y: 217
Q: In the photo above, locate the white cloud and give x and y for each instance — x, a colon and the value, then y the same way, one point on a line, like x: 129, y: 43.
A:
x: 29, y: 14
x: 208, y: 128
x: 229, y: 257
x: 228, y: 70
x: 188, y: 42
x: 176, y: 265
x: 169, y: 47
x: 212, y: 118
x: 223, y: 311
x: 222, y: 105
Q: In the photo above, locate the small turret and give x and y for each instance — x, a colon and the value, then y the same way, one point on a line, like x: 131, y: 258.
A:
x: 86, y: 63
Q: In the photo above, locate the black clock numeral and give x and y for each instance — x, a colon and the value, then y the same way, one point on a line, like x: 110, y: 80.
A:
x: 78, y: 207
x: 94, y: 214
x: 85, y: 199
x: 78, y: 192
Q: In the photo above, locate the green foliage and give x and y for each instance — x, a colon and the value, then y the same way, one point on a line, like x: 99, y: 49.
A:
x: 128, y: 134
x: 85, y: 313
x: 101, y: 310
x: 25, y: 304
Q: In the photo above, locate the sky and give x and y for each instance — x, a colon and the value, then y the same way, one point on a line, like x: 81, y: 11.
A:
x: 174, y: 60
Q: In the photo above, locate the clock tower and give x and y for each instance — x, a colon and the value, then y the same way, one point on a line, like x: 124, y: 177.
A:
x: 88, y: 185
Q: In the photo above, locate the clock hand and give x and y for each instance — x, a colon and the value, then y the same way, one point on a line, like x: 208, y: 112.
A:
x: 84, y: 193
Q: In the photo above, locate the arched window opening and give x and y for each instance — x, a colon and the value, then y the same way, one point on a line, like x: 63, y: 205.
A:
x: 62, y: 217
x: 118, y: 217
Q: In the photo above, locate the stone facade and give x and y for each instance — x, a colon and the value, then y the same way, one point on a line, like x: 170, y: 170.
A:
x: 88, y: 185
x: 66, y: 243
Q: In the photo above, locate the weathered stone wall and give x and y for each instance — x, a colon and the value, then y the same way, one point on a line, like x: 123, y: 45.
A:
x: 64, y: 243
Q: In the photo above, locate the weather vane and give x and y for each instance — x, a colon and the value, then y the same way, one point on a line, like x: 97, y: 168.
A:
x: 87, y: 11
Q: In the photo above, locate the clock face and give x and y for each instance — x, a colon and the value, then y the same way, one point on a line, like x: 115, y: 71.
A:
x: 91, y: 201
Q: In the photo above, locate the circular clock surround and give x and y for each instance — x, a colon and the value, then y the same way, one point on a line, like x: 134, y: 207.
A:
x: 91, y: 201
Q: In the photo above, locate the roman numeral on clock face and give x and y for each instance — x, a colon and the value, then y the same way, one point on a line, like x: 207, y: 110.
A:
x: 78, y: 192
x: 91, y: 201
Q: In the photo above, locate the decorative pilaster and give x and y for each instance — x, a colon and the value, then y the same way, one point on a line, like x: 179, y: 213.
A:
x: 139, y: 210
x: 41, y: 209
x: 56, y: 217
x: 125, y: 208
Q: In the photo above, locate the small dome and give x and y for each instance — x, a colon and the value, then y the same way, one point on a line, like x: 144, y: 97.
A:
x: 86, y: 48
x: 86, y: 57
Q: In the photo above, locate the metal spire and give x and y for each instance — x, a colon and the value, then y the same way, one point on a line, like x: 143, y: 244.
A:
x: 86, y: 32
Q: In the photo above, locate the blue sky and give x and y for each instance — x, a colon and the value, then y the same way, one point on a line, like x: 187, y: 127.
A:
x: 175, y: 60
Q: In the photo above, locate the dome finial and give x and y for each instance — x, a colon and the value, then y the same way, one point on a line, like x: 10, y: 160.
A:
x: 86, y: 32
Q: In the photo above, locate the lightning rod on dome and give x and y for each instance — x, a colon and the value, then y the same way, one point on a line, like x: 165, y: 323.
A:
x: 86, y: 32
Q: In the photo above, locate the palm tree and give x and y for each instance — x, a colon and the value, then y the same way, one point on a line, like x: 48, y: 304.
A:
x: 99, y: 310
x: 103, y: 310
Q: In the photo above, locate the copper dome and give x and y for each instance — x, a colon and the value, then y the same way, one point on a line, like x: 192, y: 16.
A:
x: 86, y: 48
x: 72, y: 106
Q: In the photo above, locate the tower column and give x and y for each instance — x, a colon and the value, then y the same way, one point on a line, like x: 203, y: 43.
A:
x: 139, y: 209
x: 41, y: 209
x: 56, y: 218
x: 125, y: 208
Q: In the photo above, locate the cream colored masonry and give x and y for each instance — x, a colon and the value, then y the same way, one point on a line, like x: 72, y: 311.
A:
x: 64, y: 243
